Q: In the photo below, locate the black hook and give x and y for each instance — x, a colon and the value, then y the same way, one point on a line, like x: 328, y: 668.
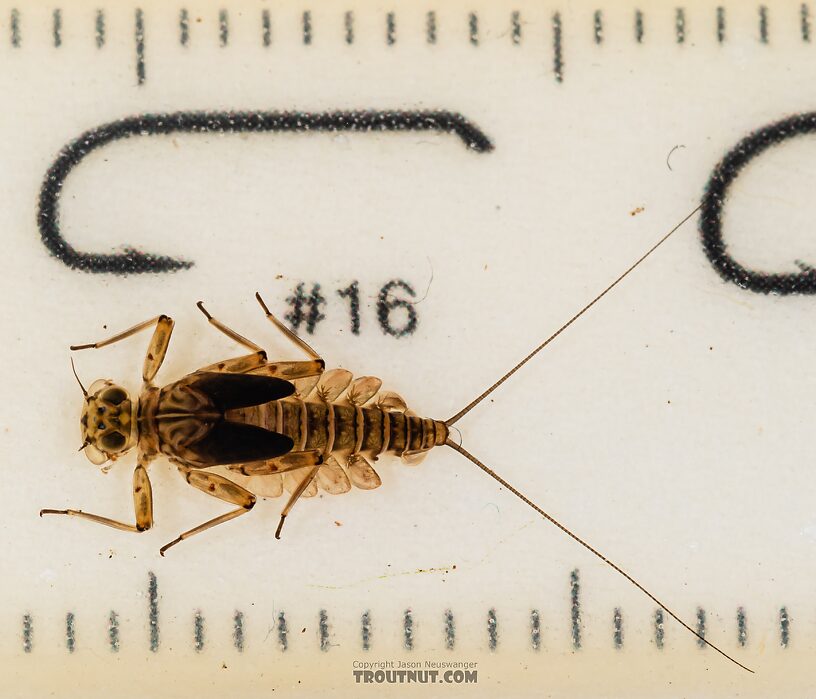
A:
x: 716, y: 191
x: 132, y: 261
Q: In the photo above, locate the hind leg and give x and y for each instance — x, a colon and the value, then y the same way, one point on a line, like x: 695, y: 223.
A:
x: 221, y: 488
x: 256, y: 362
x: 295, y: 497
x: 288, y: 333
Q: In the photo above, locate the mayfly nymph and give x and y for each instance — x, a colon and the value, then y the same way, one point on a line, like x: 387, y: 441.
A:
x: 273, y: 425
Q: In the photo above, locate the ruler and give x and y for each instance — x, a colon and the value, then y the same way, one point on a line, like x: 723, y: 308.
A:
x: 424, y: 192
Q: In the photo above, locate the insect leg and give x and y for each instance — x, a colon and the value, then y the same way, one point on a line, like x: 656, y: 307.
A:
x: 156, y: 349
x: 221, y: 488
x: 282, y: 464
x: 295, y: 497
x: 256, y: 363
x: 289, y: 334
x: 291, y: 370
x: 142, y: 504
x: 229, y: 332
x: 237, y: 365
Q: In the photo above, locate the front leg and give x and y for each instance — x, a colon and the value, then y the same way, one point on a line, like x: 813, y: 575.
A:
x: 156, y: 350
x: 142, y: 504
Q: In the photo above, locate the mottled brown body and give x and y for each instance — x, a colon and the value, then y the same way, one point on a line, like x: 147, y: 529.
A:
x: 334, y: 428
x: 246, y: 427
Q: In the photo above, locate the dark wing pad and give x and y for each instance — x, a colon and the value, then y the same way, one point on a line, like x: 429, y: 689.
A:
x: 235, y: 442
x: 230, y: 391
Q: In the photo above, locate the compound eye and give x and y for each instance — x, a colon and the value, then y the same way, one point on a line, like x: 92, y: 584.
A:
x: 114, y: 396
x: 113, y: 441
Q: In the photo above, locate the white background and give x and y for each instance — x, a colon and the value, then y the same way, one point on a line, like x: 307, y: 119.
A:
x: 669, y: 427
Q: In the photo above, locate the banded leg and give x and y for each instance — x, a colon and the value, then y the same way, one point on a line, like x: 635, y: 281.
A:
x: 156, y: 350
x: 256, y: 362
x: 292, y: 461
x: 221, y: 488
x: 295, y: 497
x: 142, y: 505
x: 238, y: 365
x: 289, y: 334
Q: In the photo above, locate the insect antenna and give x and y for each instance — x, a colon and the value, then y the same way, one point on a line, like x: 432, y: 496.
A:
x: 84, y: 392
x: 490, y: 472
x: 464, y: 411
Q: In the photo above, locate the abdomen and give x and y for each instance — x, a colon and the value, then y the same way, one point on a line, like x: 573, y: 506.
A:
x: 335, y: 428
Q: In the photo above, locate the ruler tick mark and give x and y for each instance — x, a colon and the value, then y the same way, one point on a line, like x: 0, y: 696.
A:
x: 307, y: 28
x: 473, y: 28
x: 238, y: 631
x: 323, y: 630
x: 28, y: 633
x: 408, y: 630
x: 450, y: 630
x: 742, y: 627
x: 575, y: 609
x: 515, y: 23
x: 701, y: 626
x: 430, y: 27
x: 639, y: 26
x: 56, y: 27
x: 198, y: 631
x: 139, y: 36
x: 223, y: 28
x: 390, y: 29
x: 184, y: 27
x: 535, y: 630
x: 365, y: 630
x: 348, y: 23
x: 763, y: 24
x: 680, y: 25
x: 804, y: 21
x: 113, y: 631
x: 720, y: 24
x: 266, y: 29
x: 558, y: 57
x: 659, y: 630
x: 617, y: 624
x: 15, y: 28
x: 70, y: 633
x: 784, y: 627
x: 492, y: 630
x: 100, y: 28
x: 597, y: 26
x: 153, y: 610
x: 283, y: 632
